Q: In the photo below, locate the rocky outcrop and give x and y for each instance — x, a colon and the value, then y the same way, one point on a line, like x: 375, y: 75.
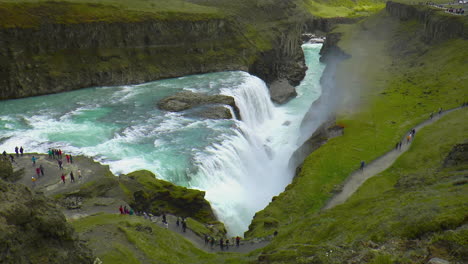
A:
x: 157, y: 197
x: 320, y: 26
x: 325, y: 132
x: 457, y: 156
x: 285, y: 60
x: 34, y: 230
x: 330, y: 49
x: 281, y: 91
x: 187, y: 100
x: 438, y: 26
x: 215, y: 112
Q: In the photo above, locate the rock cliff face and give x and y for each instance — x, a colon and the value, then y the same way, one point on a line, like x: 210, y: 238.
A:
x: 285, y: 60
x: 438, y: 26
x: 321, y: 25
x: 53, y: 57
x: 60, y: 57
x: 34, y: 230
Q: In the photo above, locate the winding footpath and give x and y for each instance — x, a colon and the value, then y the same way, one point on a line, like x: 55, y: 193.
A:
x: 358, y: 177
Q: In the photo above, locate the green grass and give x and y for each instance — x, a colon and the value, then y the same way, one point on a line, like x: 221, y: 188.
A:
x: 415, y: 198
x: 131, y: 242
x: 343, y: 8
x: 34, y: 13
x: 398, y: 83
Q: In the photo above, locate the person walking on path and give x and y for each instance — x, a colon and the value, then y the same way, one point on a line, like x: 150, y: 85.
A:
x: 4, y: 154
x: 33, y: 179
x: 72, y: 177
x: 184, y: 226
x: 34, y: 160
x: 42, y: 169
x: 212, y: 242
x: 227, y: 244
x: 16, y: 151
x: 79, y: 174
x: 177, y: 221
x: 68, y: 158
x: 71, y: 158
x: 363, y: 163
x: 207, y: 239
x: 50, y: 153
x: 237, y: 241
x: 221, y: 244
x: 38, y: 172
x: 60, y: 164
x: 63, y: 178
x: 121, y: 210
x: 432, y: 115
x: 21, y: 150
x: 408, y: 138
x: 12, y: 158
x: 164, y: 220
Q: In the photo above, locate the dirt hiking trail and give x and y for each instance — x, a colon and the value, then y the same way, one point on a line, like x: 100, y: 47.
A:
x: 358, y: 177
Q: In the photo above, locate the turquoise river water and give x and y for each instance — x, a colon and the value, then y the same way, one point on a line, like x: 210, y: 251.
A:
x: 240, y: 164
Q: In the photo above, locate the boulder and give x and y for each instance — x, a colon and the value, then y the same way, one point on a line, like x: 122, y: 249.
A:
x: 215, y: 112
x: 186, y: 100
x: 34, y: 230
x: 281, y: 91
x: 437, y: 261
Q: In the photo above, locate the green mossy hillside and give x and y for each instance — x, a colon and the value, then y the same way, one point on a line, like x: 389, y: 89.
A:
x: 392, y: 81
x: 146, y: 193
x: 413, y: 211
x: 133, y: 239
x: 35, y: 13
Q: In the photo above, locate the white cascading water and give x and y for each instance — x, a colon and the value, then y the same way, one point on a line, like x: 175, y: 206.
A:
x: 241, y: 174
x: 240, y: 167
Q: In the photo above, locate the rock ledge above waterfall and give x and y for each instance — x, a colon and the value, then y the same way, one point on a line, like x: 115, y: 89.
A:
x: 188, y: 100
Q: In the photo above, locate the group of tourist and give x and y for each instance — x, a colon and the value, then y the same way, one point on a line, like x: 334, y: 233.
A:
x: 458, y: 11
x: 39, y: 170
x: 125, y: 211
x: 451, y: 10
x: 223, y: 244
x: 63, y: 177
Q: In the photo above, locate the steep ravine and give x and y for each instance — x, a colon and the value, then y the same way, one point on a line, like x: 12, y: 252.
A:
x: 52, y: 57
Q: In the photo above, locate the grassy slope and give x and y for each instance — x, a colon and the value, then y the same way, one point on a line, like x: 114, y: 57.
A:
x: 126, y: 239
x: 415, y: 201
x: 31, y: 13
x: 348, y: 8
x: 398, y: 83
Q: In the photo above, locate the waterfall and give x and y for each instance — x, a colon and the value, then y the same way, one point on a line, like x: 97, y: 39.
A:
x: 241, y: 174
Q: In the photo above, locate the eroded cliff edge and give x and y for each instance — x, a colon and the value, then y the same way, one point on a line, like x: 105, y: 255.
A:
x: 48, y: 54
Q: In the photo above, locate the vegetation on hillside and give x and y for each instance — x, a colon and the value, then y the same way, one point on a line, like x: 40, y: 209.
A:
x: 415, y: 209
x: 398, y: 83
x: 34, y: 13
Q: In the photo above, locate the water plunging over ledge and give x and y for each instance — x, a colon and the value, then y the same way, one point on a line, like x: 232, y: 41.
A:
x: 240, y: 164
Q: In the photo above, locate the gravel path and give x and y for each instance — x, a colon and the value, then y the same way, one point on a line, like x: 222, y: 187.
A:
x: 358, y: 177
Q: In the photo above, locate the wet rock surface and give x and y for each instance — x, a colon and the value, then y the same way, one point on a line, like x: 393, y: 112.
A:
x: 281, y: 91
x: 188, y: 100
